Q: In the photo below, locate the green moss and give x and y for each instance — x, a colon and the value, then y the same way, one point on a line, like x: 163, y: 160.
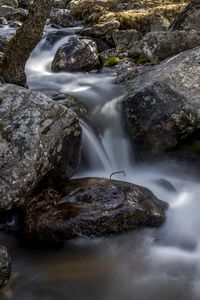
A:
x: 142, y: 59
x: 111, y: 61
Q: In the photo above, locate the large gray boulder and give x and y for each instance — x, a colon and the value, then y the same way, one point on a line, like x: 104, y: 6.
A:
x: 157, y: 46
x: 188, y: 19
x: 91, y: 207
x: 5, y: 266
x: 76, y: 55
x: 162, y: 108
x: 38, y: 138
x: 102, y: 29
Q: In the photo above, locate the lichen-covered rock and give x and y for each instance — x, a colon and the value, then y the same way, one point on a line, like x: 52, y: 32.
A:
x: 157, y: 46
x: 11, y: 13
x: 5, y: 266
x: 162, y: 108
x: 76, y: 55
x: 188, y: 19
x: 91, y: 207
x: 62, y: 17
x: 125, y: 39
x: 12, y: 3
x: 37, y: 137
x: 61, y: 3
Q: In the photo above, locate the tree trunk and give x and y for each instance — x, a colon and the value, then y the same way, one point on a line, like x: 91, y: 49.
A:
x: 12, y: 65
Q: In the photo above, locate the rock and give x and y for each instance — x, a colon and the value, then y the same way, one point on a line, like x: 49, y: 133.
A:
x: 5, y: 266
x: 125, y: 39
x: 101, y: 30
x: 24, y: 3
x: 76, y: 55
x: 108, y: 53
x: 188, y: 19
x: 10, y: 13
x: 157, y: 46
x: 73, y: 103
x: 159, y: 23
x: 91, y: 207
x: 60, y: 3
x: 3, y: 43
x: 62, y: 17
x: 15, y: 24
x: 162, y: 109
x: 3, y: 21
x: 38, y: 137
x: 11, y: 3
x: 166, y: 185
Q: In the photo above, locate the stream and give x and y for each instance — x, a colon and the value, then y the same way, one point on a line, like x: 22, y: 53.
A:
x: 144, y: 264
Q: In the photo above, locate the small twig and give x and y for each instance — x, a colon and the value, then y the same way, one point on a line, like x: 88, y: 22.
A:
x: 119, y: 172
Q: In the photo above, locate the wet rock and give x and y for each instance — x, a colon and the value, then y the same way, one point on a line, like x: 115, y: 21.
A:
x: 5, y: 266
x: 157, y: 46
x: 11, y: 3
x: 73, y: 103
x: 188, y: 19
x: 10, y: 13
x: 165, y: 184
x: 52, y: 37
x: 62, y: 17
x: 101, y: 30
x: 162, y: 108
x: 42, y: 138
x: 76, y: 55
x: 91, y: 207
x: 125, y: 39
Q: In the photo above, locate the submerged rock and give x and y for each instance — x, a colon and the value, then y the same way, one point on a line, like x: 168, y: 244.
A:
x: 37, y: 137
x: 5, y: 266
x: 162, y: 108
x: 76, y: 55
x: 91, y: 207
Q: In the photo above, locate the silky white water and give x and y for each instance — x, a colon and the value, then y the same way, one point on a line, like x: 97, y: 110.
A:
x: 161, y: 264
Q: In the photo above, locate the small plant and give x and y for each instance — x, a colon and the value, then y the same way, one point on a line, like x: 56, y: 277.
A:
x: 111, y: 61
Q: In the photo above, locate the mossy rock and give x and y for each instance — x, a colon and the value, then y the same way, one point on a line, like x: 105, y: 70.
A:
x: 142, y: 59
x: 111, y: 61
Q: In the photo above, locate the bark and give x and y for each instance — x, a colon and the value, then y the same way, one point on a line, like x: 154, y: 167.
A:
x: 12, y: 66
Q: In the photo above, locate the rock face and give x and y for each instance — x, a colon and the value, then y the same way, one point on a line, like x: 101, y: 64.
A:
x: 162, y: 108
x: 188, y: 19
x: 92, y: 207
x: 37, y: 136
x: 5, y: 266
x: 76, y: 55
x: 62, y: 17
x: 157, y: 46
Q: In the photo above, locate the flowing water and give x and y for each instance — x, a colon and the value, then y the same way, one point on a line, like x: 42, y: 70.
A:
x: 151, y: 264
